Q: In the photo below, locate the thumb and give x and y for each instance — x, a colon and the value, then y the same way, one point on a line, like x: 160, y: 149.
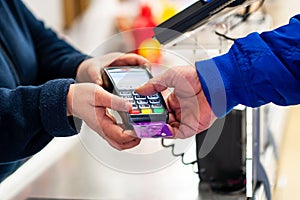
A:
x: 156, y: 84
x: 108, y: 100
x: 107, y: 59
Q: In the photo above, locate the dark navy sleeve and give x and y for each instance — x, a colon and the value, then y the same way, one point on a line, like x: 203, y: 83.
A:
x: 56, y: 58
x: 31, y: 116
x: 258, y: 69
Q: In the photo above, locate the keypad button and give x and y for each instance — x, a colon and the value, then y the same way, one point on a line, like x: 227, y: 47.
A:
x: 156, y: 106
x: 139, y: 97
x: 146, y: 111
x: 134, y: 93
x: 125, y: 92
x: 131, y: 102
x: 127, y: 97
x: 158, y: 110
x: 134, y: 107
x: 134, y: 112
x: 142, y: 102
x: 144, y: 106
x: 152, y: 97
x: 154, y: 101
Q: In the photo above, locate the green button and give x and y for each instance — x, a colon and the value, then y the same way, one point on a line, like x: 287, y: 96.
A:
x: 158, y: 110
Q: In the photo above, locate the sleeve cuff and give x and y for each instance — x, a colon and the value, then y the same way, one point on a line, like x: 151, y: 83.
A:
x: 222, y: 83
x: 53, y: 108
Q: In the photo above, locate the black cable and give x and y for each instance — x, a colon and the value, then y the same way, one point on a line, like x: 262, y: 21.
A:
x: 225, y: 36
x: 172, y: 146
x: 247, y: 13
x: 244, y: 17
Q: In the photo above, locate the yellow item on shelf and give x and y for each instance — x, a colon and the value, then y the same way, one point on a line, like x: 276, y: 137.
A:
x: 150, y: 49
x: 168, y: 11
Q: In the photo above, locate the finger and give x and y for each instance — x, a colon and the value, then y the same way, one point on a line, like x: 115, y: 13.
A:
x: 153, y: 86
x: 173, y: 103
x: 131, y: 60
x: 107, y: 59
x: 131, y: 144
x: 173, y: 127
x: 122, y: 136
x: 124, y: 146
x: 114, y: 132
x: 150, y: 88
x: 122, y: 141
x: 108, y: 100
x: 99, y: 81
x: 110, y: 116
x: 183, y: 131
x: 158, y: 83
x: 179, y: 129
x: 95, y: 75
x: 105, y: 80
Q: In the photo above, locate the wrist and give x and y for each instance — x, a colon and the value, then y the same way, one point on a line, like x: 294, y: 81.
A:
x: 89, y: 71
x: 81, y: 71
x: 70, y: 100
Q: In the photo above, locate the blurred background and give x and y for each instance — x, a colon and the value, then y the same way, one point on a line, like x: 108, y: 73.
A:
x: 90, y: 25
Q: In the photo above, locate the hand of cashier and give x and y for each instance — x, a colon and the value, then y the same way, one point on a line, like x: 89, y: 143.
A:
x: 88, y: 101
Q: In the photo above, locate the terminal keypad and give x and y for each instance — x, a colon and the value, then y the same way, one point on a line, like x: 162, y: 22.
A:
x: 143, y: 104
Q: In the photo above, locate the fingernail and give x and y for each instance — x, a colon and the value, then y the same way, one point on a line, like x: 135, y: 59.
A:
x: 130, y: 133
x: 99, y: 82
x: 148, y: 65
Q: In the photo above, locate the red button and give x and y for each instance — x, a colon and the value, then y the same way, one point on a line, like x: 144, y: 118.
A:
x: 134, y: 112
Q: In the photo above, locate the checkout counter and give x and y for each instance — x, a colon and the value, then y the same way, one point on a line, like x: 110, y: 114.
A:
x: 86, y: 167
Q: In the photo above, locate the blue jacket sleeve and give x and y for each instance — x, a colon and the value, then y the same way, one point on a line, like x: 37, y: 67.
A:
x: 258, y: 69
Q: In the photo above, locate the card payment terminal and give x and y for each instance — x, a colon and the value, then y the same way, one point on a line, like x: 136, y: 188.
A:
x: 149, y: 114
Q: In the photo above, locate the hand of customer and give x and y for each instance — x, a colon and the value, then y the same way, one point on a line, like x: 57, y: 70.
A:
x: 189, y: 111
x: 90, y: 70
x: 89, y: 101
